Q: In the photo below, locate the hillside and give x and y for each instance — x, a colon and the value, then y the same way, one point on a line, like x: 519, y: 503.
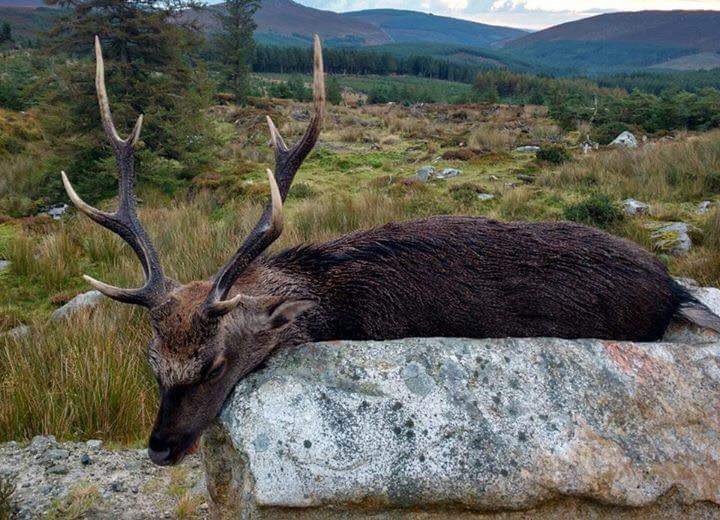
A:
x: 284, y: 22
x: 622, y: 41
x: 288, y: 23
x: 412, y: 26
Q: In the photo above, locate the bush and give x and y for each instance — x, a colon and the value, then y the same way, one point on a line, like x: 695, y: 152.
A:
x: 607, y: 132
x: 466, y: 193
x: 712, y: 182
x: 555, y: 154
x: 597, y: 210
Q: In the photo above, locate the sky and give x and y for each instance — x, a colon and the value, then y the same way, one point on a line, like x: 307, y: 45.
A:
x: 530, y: 14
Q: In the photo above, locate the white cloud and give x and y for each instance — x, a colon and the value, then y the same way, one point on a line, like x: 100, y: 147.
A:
x: 603, y: 5
x: 532, y: 14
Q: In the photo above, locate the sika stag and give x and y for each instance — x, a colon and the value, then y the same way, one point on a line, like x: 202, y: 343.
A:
x: 440, y: 276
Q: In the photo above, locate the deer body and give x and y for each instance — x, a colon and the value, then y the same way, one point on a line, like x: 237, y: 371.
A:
x: 441, y: 276
x: 473, y: 277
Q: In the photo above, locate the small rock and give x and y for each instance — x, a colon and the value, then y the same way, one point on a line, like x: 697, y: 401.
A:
x: 117, y: 486
x: 625, y: 140
x: 94, y: 444
x: 17, y: 332
x: 485, y: 196
x: 448, y: 173
x: 527, y: 179
x: 634, y: 207
x: 527, y: 149
x: 703, y: 207
x: 4, y: 264
x: 85, y: 459
x: 81, y: 301
x: 673, y: 237
x: 42, y: 443
x: 57, y: 469
x: 58, y: 454
x: 56, y: 211
x: 424, y: 173
x: 300, y: 115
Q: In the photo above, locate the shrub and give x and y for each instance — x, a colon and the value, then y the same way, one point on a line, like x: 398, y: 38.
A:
x: 555, y: 154
x: 597, y: 210
x: 466, y: 193
x: 712, y: 182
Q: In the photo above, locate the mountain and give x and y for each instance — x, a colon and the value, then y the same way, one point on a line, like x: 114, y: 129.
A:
x: 285, y: 22
x: 622, y: 41
x: 413, y: 26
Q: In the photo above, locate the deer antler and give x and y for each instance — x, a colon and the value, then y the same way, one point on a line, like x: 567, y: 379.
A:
x: 269, y: 227
x: 124, y: 222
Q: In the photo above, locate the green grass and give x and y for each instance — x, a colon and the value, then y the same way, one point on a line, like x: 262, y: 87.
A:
x: 424, y: 89
x: 87, y: 377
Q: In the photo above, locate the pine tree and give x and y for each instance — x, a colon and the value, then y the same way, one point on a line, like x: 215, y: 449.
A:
x: 150, y: 69
x: 234, y: 43
x: 5, y: 33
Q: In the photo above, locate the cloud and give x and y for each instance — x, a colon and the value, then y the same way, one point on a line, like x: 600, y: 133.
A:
x: 534, y: 14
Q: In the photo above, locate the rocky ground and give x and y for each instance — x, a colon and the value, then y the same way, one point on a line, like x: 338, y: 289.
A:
x: 86, y: 480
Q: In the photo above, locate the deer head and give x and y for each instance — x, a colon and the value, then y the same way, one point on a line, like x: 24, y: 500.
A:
x: 207, y: 334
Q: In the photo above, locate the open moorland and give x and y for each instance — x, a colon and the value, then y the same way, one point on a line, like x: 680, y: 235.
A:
x: 85, y: 376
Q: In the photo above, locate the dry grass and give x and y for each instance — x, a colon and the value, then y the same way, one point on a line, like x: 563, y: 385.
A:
x: 87, y: 377
x: 665, y: 172
x: 492, y: 138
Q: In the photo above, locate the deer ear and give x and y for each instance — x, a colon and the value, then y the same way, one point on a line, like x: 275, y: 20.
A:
x: 284, y: 313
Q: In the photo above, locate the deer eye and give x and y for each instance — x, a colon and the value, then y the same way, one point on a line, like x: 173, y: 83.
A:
x: 216, y: 371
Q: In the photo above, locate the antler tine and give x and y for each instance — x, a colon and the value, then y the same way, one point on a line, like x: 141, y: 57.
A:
x: 269, y: 227
x: 124, y: 221
x: 288, y: 160
x: 265, y: 232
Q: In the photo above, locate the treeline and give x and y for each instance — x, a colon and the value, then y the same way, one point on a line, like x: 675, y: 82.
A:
x: 295, y: 60
x: 659, y: 82
x: 609, y: 110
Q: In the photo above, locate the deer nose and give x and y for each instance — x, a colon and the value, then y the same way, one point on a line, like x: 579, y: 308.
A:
x: 159, y: 451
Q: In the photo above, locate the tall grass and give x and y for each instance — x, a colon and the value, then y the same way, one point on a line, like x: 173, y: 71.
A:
x: 664, y: 172
x: 87, y: 376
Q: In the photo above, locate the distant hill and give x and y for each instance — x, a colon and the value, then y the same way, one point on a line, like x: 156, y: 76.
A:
x: 27, y: 19
x: 284, y: 22
x: 620, y: 41
x: 413, y: 26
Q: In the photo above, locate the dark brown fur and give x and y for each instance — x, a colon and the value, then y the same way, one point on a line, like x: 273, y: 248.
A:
x: 472, y: 277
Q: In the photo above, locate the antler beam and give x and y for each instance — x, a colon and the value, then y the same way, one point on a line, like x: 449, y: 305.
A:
x: 267, y: 230
x: 124, y: 222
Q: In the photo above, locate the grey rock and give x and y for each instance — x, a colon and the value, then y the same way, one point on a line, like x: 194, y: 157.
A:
x: 625, y: 140
x: 81, y: 301
x: 703, y: 207
x: 485, y: 196
x: 424, y: 173
x: 94, y: 444
x: 57, y: 454
x: 57, y: 211
x: 57, y: 469
x: 85, y: 459
x: 117, y: 486
x: 634, y: 207
x: 4, y: 264
x: 448, y: 173
x: 527, y: 179
x: 42, y: 442
x: 17, y: 332
x: 555, y: 428
x: 672, y: 237
x: 527, y: 149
